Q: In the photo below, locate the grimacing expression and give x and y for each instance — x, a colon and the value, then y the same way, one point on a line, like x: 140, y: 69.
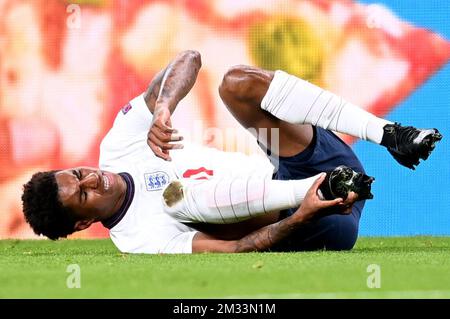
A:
x: 89, y: 192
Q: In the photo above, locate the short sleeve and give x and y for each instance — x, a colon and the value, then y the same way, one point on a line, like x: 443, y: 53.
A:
x: 128, y: 134
x: 164, y: 236
x: 180, y: 244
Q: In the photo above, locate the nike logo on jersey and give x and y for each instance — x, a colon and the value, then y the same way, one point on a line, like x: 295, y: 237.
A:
x: 156, y: 181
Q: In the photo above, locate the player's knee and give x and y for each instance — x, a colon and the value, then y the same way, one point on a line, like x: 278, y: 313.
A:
x: 230, y: 87
x: 238, y: 83
x: 343, y: 235
x: 173, y: 194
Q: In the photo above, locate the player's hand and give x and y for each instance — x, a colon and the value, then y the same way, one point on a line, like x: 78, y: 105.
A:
x: 347, y: 205
x: 161, y: 136
x: 313, y: 207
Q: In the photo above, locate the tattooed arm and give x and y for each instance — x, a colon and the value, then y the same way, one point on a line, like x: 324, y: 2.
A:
x: 259, y: 240
x: 268, y: 236
x: 173, y: 83
x: 162, y: 96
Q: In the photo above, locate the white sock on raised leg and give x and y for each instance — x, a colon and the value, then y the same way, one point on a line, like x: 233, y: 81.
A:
x: 294, y: 100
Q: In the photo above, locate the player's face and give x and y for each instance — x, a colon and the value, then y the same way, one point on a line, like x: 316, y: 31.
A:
x: 90, y: 192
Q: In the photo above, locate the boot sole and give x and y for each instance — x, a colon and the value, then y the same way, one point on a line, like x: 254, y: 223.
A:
x: 427, y: 145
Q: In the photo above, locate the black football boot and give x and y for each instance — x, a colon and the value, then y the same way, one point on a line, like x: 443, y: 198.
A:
x: 342, y: 180
x: 408, y: 144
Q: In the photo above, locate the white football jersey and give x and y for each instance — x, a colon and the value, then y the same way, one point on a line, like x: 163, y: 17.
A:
x: 141, y: 226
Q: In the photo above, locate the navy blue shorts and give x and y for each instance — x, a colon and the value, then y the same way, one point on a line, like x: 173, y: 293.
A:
x: 333, y: 232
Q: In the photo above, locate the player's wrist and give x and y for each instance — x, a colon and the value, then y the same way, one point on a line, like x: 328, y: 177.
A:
x: 302, y: 216
x: 298, y: 218
x: 161, y: 107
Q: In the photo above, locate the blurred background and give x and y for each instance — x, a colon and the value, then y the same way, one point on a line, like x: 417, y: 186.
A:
x: 67, y: 67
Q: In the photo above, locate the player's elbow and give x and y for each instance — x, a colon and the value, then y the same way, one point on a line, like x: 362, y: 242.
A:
x: 193, y: 57
x: 204, y: 243
x: 226, y: 247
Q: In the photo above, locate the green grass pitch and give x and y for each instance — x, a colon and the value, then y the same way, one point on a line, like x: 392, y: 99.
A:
x: 415, y: 267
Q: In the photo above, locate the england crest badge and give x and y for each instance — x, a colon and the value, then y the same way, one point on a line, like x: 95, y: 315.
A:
x: 156, y: 181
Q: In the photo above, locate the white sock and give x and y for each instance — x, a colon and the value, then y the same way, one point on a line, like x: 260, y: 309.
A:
x: 224, y: 201
x: 297, y: 101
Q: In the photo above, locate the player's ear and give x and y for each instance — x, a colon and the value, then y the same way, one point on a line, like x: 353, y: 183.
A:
x: 83, y: 224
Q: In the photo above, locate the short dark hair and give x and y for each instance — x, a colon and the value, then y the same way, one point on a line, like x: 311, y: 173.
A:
x: 42, y: 208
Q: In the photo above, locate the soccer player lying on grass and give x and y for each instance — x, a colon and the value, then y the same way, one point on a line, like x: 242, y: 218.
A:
x: 152, y: 203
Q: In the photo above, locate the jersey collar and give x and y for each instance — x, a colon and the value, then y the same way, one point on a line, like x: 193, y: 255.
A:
x: 117, y: 217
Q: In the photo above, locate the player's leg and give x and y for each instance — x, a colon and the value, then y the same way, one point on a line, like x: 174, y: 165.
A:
x: 242, y: 90
x: 223, y: 201
x: 296, y: 101
x: 231, y: 200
